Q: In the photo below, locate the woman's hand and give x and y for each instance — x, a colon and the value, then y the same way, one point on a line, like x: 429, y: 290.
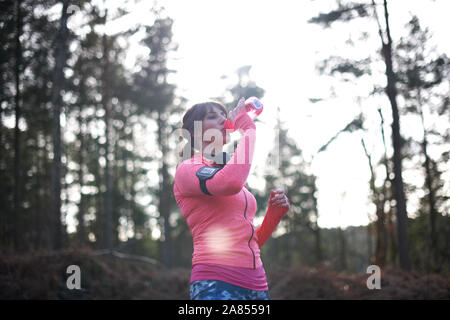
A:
x: 279, y: 199
x: 237, y: 110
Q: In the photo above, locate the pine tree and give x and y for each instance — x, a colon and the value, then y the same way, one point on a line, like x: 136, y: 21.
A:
x: 154, y: 97
x: 422, y: 77
x: 350, y: 11
x: 60, y: 61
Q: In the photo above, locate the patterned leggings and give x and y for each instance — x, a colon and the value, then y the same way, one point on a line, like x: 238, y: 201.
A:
x: 219, y: 290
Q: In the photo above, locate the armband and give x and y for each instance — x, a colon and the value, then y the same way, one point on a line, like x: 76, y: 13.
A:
x: 205, y: 173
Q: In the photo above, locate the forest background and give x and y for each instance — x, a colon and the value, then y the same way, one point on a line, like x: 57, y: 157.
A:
x: 89, y: 145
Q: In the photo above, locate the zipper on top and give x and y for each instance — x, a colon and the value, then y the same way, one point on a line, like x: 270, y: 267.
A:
x: 251, y: 237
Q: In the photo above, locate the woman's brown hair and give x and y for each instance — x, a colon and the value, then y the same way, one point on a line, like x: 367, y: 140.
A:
x: 196, y: 113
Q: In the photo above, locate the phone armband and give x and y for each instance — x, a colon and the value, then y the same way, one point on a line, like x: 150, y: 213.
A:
x: 205, y: 173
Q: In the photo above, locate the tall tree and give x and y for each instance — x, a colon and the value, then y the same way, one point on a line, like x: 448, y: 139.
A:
x: 154, y: 96
x: 106, y: 102
x: 58, y: 77
x: 292, y: 175
x: 17, y: 136
x: 99, y: 85
x: 10, y: 28
x: 39, y: 67
x: 391, y: 91
x: 347, y: 12
x: 423, y: 75
x: 386, y: 191
x: 43, y: 89
x: 378, y: 199
x: 112, y: 78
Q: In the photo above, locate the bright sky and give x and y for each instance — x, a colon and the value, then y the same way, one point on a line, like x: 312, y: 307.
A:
x: 215, y: 38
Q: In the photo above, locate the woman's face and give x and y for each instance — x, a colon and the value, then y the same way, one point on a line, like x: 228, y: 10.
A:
x: 213, y: 126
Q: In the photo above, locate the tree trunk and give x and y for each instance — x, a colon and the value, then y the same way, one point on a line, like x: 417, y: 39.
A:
x: 318, y: 240
x: 397, y: 143
x: 369, y: 243
x: 317, y: 232
x: 17, y: 214
x: 165, y: 193
x: 429, y: 184
x: 391, y: 247
x: 380, y: 248
x: 56, y: 126
x: 138, y: 228
x: 107, y: 105
x: 41, y: 159
x: 392, y: 257
x: 342, y: 250
x: 99, y: 229
x: 115, y: 202
x: 81, y: 232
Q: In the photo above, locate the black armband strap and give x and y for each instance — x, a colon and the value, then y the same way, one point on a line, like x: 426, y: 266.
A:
x: 205, y: 173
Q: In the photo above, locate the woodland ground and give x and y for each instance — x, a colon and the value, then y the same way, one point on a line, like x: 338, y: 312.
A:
x: 43, y: 275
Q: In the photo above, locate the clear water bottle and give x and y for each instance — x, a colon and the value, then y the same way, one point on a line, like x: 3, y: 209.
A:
x: 253, y: 106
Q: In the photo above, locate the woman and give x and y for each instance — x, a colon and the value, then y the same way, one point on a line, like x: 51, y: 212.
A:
x: 210, y: 191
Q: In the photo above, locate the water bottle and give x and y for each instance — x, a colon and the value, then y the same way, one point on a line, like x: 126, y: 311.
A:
x: 253, y: 106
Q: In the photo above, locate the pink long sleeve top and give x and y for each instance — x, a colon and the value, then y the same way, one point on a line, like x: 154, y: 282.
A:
x: 221, y: 221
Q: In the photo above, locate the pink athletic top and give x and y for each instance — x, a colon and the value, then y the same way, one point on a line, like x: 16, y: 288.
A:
x: 221, y: 222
